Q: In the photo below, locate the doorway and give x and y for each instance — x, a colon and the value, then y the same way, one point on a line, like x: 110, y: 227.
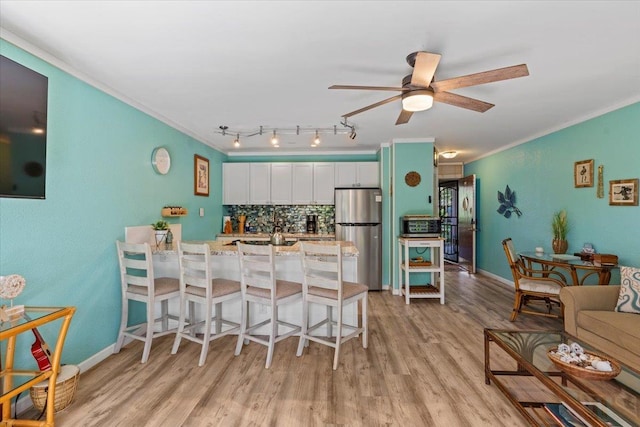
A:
x: 448, y: 209
x: 457, y: 209
x: 467, y: 223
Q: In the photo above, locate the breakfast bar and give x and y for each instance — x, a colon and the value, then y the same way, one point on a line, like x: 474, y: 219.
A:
x: 288, y: 267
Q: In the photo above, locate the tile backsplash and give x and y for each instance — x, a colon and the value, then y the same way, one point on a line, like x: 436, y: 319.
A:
x: 292, y: 217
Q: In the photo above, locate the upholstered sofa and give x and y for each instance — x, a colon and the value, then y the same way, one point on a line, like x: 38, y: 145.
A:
x: 589, y: 314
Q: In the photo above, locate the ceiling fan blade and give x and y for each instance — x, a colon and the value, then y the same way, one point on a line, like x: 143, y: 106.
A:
x: 424, y: 68
x: 481, y: 78
x: 369, y: 87
x: 404, y: 117
x: 369, y: 107
x: 462, y: 101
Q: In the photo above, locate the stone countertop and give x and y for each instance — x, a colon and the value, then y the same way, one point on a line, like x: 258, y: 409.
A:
x: 248, y: 236
x: 224, y: 248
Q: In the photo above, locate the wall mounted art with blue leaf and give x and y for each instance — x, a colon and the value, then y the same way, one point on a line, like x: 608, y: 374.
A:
x: 508, y: 203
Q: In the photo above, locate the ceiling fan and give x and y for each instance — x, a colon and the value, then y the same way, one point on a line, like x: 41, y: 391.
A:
x: 419, y: 90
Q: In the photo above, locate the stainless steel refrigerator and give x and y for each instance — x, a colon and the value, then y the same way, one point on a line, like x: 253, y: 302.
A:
x: 359, y: 219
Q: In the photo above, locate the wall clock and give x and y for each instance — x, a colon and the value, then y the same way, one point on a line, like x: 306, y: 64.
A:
x: 161, y: 160
x: 412, y: 178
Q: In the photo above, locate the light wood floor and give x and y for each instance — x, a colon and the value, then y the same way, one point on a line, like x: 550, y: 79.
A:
x: 423, y: 367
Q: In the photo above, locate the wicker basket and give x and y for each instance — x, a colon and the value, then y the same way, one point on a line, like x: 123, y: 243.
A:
x: 587, y: 374
x: 66, y: 385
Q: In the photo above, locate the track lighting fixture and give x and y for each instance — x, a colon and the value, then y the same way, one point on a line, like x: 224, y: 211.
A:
x: 349, y: 130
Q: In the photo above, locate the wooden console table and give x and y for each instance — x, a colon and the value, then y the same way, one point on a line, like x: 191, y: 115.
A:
x: 14, y: 381
x: 434, y: 266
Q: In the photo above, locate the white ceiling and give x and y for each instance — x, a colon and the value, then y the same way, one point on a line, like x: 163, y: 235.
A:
x: 198, y: 65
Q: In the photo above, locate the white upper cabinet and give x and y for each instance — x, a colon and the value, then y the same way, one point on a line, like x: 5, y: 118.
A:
x: 313, y: 183
x: 281, y: 183
x: 368, y: 174
x: 260, y: 184
x: 302, y: 188
x: 345, y: 175
x: 323, y: 183
x: 357, y: 174
x: 235, y: 182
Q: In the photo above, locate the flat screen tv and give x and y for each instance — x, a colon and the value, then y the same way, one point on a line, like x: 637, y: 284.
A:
x: 23, y: 131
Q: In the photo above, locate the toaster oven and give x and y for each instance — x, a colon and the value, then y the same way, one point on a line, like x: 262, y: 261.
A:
x: 420, y: 226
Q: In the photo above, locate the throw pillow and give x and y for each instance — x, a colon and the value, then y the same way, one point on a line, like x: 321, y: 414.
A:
x: 629, y: 297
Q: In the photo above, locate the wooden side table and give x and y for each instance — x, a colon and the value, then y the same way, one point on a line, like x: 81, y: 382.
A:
x: 435, y: 267
x: 15, y: 381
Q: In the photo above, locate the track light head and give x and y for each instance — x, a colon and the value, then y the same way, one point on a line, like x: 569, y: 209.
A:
x: 352, y: 134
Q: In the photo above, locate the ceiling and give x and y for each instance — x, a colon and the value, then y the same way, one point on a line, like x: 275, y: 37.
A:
x: 200, y: 65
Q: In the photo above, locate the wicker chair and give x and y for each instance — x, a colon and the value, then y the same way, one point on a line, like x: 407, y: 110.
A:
x: 533, y: 285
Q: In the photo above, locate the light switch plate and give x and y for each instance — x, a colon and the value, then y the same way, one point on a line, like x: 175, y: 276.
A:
x: 201, y: 211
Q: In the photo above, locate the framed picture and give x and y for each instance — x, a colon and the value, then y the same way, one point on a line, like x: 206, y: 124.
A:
x: 200, y: 176
x: 583, y: 174
x: 623, y: 192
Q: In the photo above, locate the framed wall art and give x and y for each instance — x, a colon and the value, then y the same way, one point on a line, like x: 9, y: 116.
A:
x: 200, y: 176
x: 583, y: 173
x: 623, y: 192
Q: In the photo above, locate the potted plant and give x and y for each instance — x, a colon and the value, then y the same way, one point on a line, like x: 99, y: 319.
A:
x: 560, y: 227
x: 160, y: 228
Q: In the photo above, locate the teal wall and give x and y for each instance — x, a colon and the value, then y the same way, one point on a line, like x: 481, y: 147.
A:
x: 99, y: 180
x: 387, y: 241
x: 541, y: 174
x: 407, y: 157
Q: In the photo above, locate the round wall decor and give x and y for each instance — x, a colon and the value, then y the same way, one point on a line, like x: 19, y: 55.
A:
x: 412, y: 178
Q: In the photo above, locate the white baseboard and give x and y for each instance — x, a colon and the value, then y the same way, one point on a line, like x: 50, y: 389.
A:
x: 498, y: 278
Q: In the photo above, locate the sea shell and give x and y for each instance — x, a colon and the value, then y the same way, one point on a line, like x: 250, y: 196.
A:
x: 564, y: 348
x: 602, y: 365
x: 11, y: 286
x: 577, y: 348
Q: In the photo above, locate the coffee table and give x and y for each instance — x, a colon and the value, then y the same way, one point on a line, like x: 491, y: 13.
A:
x: 537, y: 386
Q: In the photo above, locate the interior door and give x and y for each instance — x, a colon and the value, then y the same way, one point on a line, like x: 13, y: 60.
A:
x: 467, y: 223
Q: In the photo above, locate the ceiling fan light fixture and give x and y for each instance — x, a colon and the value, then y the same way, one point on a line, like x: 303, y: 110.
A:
x: 417, y: 100
x: 449, y: 154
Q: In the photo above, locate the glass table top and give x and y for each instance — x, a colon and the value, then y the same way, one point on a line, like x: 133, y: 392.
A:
x: 621, y: 394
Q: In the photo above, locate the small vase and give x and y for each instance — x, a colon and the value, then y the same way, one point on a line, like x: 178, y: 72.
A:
x: 161, y: 236
x: 559, y: 246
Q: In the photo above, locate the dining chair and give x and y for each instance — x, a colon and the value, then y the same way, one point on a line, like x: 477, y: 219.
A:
x: 323, y: 284
x: 138, y: 283
x: 260, y: 286
x: 533, y: 285
x: 198, y: 286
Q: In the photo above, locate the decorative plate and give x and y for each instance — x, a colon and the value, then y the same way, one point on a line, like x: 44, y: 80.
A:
x: 11, y: 286
x: 412, y: 178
